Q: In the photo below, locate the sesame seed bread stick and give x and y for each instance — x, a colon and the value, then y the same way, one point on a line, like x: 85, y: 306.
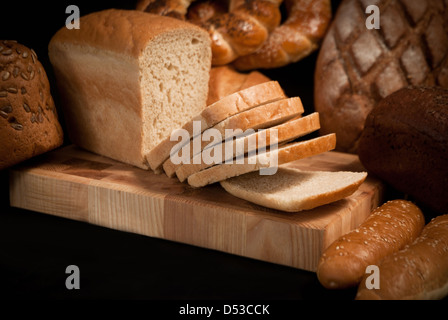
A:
x: 387, y: 229
x: 418, y: 272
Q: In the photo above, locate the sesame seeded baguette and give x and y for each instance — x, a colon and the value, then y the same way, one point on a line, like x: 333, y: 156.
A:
x: 418, y: 272
x: 260, y: 117
x: 387, y: 229
x: 220, y: 110
x: 287, y: 153
x: 287, y: 131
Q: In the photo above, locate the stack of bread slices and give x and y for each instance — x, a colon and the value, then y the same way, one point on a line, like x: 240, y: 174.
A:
x: 242, y: 141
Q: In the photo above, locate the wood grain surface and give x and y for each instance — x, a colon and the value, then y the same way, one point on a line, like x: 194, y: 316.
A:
x: 75, y: 184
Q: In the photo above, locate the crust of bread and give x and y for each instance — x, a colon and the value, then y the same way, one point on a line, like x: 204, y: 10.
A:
x: 225, y: 80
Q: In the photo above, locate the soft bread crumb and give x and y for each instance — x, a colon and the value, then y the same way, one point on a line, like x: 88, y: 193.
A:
x: 294, y: 190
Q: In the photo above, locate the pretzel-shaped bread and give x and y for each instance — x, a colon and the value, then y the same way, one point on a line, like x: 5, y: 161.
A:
x: 240, y: 31
x: 299, y: 35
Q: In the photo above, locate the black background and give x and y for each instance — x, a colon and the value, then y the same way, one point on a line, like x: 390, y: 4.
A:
x: 35, y: 248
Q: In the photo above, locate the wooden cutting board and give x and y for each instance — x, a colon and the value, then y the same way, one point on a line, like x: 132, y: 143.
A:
x: 79, y: 185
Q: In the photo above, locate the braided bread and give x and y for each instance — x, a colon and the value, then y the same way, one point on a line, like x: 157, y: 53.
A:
x: 296, y: 38
x: 240, y: 31
x: 203, y: 10
x: 171, y: 8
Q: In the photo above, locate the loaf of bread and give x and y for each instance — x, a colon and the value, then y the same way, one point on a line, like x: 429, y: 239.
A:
x: 405, y: 143
x: 294, y: 190
x: 29, y: 123
x: 357, y: 66
x: 418, y: 272
x: 387, y: 229
x: 128, y: 78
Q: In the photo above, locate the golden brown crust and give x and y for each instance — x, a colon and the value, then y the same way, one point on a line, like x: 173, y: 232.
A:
x: 29, y: 123
x: 388, y: 229
x: 240, y: 31
x: 296, y: 38
x: 119, y: 31
x: 225, y: 80
x: 419, y: 271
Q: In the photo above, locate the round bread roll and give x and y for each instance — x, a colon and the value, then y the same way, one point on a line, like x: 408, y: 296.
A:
x: 358, y: 66
x: 405, y: 143
x: 29, y: 123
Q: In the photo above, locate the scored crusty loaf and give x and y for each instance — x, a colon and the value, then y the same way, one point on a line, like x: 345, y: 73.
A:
x: 260, y: 117
x: 294, y: 190
x: 284, y: 132
x: 270, y: 159
x: 29, y: 123
x: 128, y: 78
x: 387, y: 229
x: 357, y: 66
x: 404, y: 143
x: 215, y: 113
x: 225, y: 80
x: 418, y: 272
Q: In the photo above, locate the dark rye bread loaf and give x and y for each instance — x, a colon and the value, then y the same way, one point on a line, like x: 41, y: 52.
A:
x: 29, y: 123
x: 357, y: 67
x: 405, y: 142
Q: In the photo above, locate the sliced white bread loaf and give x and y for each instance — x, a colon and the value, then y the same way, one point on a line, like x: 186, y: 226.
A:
x: 287, y: 131
x: 128, y: 78
x: 270, y: 159
x: 215, y: 113
x: 293, y: 190
x: 260, y: 117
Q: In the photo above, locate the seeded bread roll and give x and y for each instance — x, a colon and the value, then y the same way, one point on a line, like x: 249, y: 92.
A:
x: 128, y: 78
x: 418, y: 272
x: 387, y: 229
x: 29, y: 123
x: 357, y: 66
x: 405, y: 143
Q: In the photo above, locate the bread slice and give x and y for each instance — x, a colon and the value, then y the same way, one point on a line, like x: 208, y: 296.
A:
x: 260, y: 117
x: 287, y: 131
x: 215, y: 113
x: 271, y: 159
x: 128, y: 78
x: 225, y: 80
x: 293, y: 190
